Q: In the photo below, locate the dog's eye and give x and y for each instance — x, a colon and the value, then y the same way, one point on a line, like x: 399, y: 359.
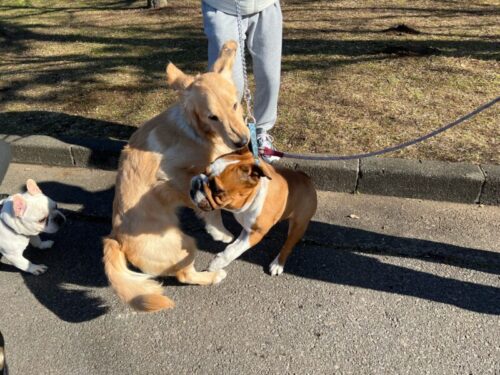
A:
x: 213, y: 118
x: 235, y: 106
x: 41, y: 221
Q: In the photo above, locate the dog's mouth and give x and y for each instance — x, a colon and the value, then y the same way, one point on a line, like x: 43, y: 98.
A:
x: 198, y: 195
x: 242, y: 142
x: 55, y: 222
x: 238, y: 140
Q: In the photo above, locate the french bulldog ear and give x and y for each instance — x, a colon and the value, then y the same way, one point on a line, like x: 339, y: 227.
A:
x: 177, y: 79
x: 32, y: 187
x: 19, y: 205
x: 224, y: 63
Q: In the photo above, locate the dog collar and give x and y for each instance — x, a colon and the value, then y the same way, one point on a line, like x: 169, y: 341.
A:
x: 3, y: 221
x: 8, y: 226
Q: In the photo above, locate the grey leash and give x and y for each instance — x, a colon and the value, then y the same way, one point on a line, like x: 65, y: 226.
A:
x: 269, y: 152
x: 250, y: 119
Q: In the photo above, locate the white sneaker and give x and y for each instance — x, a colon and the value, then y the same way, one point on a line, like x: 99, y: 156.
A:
x: 264, y: 140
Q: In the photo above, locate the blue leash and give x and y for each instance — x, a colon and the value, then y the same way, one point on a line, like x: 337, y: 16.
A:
x: 253, y: 140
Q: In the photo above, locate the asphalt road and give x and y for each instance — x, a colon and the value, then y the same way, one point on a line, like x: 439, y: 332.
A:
x: 404, y: 286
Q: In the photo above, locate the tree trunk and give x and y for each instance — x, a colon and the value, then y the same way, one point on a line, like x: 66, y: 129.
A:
x: 157, y: 4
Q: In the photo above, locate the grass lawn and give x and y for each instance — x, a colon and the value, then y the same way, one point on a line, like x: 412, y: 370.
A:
x: 96, y: 68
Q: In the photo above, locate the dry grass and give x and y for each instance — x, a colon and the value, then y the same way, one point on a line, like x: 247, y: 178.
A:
x: 96, y: 68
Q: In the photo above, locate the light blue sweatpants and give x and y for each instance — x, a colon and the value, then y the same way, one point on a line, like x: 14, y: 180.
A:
x: 263, y: 34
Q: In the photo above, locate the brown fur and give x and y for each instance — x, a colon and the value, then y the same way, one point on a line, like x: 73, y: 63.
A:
x: 290, y: 196
x: 154, y: 178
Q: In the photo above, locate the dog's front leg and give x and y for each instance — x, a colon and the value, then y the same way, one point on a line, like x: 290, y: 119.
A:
x: 35, y: 241
x: 215, y: 227
x: 244, y: 242
x: 24, y: 264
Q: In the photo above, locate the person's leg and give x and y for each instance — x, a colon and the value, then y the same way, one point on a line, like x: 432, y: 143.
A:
x: 264, y: 43
x: 219, y: 28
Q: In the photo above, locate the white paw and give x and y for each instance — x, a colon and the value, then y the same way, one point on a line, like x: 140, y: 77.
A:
x: 46, y: 244
x: 218, y: 235
x: 37, y: 269
x: 275, y: 268
x: 221, y: 275
x: 218, y: 263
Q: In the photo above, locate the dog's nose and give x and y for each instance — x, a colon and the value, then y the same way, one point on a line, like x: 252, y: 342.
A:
x: 242, y: 143
x: 196, y: 185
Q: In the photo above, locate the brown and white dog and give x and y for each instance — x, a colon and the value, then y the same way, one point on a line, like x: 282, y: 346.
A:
x: 154, y: 179
x: 259, y: 196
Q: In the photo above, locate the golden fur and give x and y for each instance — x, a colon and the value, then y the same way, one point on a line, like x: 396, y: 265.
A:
x: 154, y: 178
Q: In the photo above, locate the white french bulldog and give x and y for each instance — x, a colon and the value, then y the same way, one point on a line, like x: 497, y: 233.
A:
x: 22, y: 218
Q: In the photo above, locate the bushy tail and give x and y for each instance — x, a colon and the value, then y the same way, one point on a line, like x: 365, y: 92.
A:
x: 3, y: 365
x: 136, y: 289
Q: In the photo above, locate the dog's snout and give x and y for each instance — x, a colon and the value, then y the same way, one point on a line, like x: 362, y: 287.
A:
x: 242, y: 142
x: 196, y: 184
x: 59, y: 219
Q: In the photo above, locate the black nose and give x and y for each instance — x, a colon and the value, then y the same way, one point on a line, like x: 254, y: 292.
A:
x: 59, y: 219
x: 242, y: 143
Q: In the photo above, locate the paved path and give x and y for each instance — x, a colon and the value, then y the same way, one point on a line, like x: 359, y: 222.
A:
x: 409, y: 287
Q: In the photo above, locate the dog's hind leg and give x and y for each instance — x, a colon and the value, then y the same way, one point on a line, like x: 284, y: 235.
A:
x: 189, y: 275
x: 295, y: 232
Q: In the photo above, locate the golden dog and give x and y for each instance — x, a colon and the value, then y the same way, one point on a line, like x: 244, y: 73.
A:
x: 154, y: 179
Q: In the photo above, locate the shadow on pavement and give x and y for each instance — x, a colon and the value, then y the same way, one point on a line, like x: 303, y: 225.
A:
x: 329, y: 253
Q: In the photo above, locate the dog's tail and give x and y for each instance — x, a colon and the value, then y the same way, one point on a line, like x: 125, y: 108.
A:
x: 136, y: 289
x: 3, y: 364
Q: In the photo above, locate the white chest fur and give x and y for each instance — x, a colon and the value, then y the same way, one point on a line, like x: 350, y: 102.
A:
x: 247, y: 215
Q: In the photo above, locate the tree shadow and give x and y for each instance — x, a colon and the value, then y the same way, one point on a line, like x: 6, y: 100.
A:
x: 186, y: 46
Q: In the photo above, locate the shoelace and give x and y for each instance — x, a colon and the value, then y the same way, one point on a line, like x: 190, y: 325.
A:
x: 265, y: 140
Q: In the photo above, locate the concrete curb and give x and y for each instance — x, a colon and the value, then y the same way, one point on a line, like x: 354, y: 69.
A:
x: 434, y: 180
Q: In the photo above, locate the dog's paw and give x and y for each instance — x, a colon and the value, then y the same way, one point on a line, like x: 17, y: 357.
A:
x: 4, y: 260
x: 37, y: 269
x: 221, y: 275
x: 46, y: 244
x: 275, y: 268
x: 219, y: 235
x: 218, y: 263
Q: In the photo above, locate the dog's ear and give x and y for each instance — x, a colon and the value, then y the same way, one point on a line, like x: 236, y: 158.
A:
x: 261, y: 170
x: 253, y: 172
x: 18, y: 205
x: 32, y: 187
x: 177, y: 79
x: 224, y: 63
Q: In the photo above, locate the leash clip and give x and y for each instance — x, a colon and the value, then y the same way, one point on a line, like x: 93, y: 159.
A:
x: 253, y: 140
